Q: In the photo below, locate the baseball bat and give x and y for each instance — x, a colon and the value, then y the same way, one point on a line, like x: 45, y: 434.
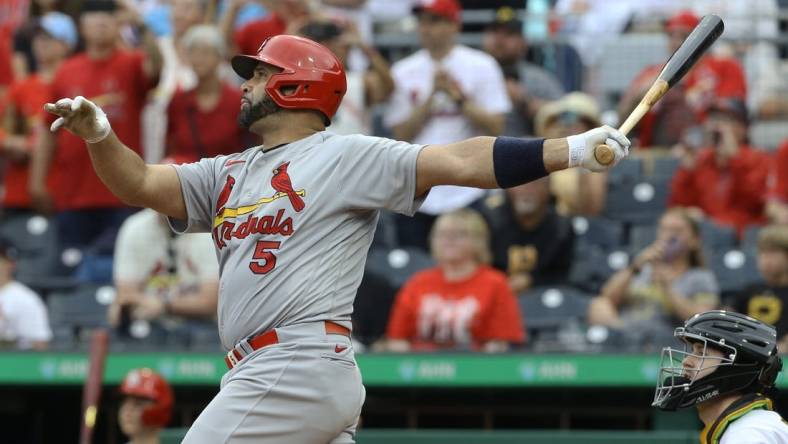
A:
x: 91, y: 393
x: 693, y: 47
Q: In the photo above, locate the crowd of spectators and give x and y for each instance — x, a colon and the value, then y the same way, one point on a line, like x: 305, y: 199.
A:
x: 159, y: 69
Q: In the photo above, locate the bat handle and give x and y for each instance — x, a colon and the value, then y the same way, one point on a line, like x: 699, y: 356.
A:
x: 604, y: 154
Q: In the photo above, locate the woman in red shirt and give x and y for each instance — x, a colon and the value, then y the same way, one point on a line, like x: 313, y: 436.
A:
x: 202, y: 121
x: 461, y: 303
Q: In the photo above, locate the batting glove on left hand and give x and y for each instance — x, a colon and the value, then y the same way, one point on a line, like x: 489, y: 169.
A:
x: 581, y: 148
x: 81, y: 117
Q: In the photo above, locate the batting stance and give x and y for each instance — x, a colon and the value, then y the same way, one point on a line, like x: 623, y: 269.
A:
x: 292, y: 221
x: 727, y: 371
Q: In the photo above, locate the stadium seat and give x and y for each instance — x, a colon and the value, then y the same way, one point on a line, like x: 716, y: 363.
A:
x: 639, y: 202
x: 554, y: 317
x: 641, y: 236
x: 627, y: 171
x: 717, y: 237
x: 664, y: 167
x: 372, y: 306
x: 386, y: 231
x: 549, y: 307
x: 72, y: 314
x: 398, y: 264
x: 34, y: 237
x: 600, y: 232
x: 734, y: 270
x: 31, y: 234
x: 749, y: 241
x: 203, y: 336
x: 592, y: 266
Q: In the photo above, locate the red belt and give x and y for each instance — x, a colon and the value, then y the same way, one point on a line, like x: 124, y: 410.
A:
x: 247, y: 346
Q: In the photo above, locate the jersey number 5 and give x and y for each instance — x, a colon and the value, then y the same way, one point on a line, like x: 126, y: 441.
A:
x: 261, y: 253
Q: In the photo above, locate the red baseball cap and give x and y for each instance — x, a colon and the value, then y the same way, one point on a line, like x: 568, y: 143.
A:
x: 449, y: 9
x: 685, y: 19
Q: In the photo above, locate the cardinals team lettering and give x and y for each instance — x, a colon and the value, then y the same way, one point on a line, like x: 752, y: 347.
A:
x: 253, y: 225
x: 228, y: 225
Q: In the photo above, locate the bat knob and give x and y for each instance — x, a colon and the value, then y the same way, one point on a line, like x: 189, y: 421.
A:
x: 604, y: 154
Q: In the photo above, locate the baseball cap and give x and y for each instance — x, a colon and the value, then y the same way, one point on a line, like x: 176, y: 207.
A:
x: 733, y: 107
x: 577, y: 103
x: 8, y: 250
x: 506, y: 20
x: 99, y: 6
x: 59, y: 26
x: 684, y: 19
x: 448, y: 9
x: 773, y: 237
x: 321, y: 31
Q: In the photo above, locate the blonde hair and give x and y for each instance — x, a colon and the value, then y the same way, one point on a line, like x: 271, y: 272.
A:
x: 477, y: 229
x: 773, y: 237
x: 206, y: 35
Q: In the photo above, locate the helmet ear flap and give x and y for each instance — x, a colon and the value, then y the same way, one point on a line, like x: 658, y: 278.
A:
x: 770, y: 370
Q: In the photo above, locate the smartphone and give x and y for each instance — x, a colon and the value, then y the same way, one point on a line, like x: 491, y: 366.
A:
x: 673, y: 248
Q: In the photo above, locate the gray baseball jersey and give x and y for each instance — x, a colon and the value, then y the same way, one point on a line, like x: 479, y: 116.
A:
x: 292, y: 226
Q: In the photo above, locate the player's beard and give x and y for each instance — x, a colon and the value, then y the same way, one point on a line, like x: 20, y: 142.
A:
x: 252, y: 113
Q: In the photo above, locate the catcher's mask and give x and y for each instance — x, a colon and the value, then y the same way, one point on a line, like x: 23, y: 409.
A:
x: 749, y: 362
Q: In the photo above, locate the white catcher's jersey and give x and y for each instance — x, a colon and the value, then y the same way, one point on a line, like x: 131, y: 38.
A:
x: 292, y: 226
x: 757, y: 427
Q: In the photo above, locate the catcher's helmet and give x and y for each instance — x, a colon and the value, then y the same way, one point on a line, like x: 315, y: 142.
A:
x: 749, y: 363
x: 315, y: 72
x: 145, y: 383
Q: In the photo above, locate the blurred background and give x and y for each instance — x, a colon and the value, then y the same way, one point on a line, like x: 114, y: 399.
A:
x: 534, y: 314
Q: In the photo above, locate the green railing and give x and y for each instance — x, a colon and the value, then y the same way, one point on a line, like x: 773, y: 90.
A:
x: 379, y: 370
x: 174, y: 436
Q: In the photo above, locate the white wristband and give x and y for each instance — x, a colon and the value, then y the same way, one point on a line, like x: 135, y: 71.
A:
x: 104, y: 128
x: 577, y: 149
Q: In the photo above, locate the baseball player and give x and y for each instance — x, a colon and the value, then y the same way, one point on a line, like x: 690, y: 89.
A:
x: 728, y: 367
x: 146, y: 406
x: 292, y: 220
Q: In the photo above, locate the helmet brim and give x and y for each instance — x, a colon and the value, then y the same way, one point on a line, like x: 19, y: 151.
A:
x: 244, y: 65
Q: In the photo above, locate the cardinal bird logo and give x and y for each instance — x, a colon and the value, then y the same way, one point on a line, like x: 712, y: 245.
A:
x: 224, y: 195
x: 281, y: 183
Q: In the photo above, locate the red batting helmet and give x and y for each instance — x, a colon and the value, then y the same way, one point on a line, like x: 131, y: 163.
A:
x: 315, y: 72
x: 145, y: 383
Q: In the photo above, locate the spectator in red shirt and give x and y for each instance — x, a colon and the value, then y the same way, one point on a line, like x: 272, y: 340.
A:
x: 283, y: 15
x: 462, y: 302
x: 682, y: 107
x: 201, y: 121
x: 728, y: 179
x: 777, y: 207
x: 54, y: 37
x: 13, y: 13
x: 119, y: 80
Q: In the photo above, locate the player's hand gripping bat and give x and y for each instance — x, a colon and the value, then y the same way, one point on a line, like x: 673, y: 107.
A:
x: 699, y: 40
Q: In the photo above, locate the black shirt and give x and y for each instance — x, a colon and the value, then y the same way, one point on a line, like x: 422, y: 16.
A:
x: 767, y: 304
x: 544, y: 252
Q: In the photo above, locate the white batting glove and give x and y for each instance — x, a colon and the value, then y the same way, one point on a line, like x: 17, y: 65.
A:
x: 581, y: 148
x: 81, y: 117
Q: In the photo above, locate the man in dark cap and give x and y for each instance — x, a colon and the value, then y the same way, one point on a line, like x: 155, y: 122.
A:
x: 24, y: 323
x: 529, y: 85
x: 119, y: 80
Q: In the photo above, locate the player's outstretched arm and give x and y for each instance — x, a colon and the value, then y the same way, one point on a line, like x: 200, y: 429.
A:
x: 505, y: 162
x: 121, y: 169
